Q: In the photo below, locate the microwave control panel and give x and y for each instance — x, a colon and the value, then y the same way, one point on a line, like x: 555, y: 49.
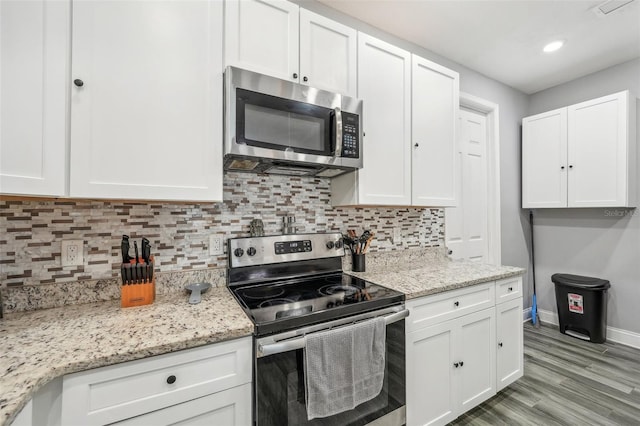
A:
x: 350, y: 135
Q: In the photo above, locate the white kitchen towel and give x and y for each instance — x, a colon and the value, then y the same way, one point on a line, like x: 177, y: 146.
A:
x: 344, y: 367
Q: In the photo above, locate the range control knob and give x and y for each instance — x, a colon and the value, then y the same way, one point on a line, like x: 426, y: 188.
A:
x: 338, y: 244
x: 251, y: 251
x: 329, y: 245
x: 238, y: 252
x: 329, y: 305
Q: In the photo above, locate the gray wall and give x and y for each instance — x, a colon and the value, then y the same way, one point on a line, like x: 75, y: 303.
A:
x: 513, y: 106
x: 596, y: 242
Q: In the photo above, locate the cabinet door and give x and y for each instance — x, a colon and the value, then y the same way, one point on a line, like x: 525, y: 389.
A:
x: 262, y: 36
x: 230, y: 408
x: 430, y: 376
x: 327, y: 54
x: 384, y: 84
x: 476, y: 353
x: 147, y: 122
x: 34, y: 68
x: 544, y: 160
x: 509, y: 358
x: 598, y: 152
x: 434, y: 108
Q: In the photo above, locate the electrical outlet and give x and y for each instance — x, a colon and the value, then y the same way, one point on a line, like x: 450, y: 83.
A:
x: 397, y: 238
x: 72, y: 253
x: 216, y: 245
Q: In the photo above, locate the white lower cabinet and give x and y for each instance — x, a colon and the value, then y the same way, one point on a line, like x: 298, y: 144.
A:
x: 461, y: 360
x: 209, y: 384
x: 509, y: 346
x: 230, y: 407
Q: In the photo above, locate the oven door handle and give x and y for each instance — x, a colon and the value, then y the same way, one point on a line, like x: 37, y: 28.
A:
x: 300, y: 342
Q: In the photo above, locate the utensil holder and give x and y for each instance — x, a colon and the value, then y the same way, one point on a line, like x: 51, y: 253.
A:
x: 139, y: 293
x: 358, y: 263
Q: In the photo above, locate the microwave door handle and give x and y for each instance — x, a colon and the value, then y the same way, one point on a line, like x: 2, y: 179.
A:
x: 338, y: 115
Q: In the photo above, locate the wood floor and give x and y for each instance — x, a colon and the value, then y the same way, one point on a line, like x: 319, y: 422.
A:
x: 566, y: 382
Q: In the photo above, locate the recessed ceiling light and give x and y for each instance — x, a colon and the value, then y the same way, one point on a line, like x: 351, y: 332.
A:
x: 553, y: 46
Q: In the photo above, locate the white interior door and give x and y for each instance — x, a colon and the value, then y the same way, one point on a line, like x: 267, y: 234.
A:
x: 466, y: 226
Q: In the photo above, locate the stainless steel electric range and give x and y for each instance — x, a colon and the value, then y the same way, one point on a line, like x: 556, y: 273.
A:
x: 292, y: 286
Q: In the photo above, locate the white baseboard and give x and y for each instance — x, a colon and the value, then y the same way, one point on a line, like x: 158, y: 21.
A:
x: 526, y: 315
x: 617, y: 335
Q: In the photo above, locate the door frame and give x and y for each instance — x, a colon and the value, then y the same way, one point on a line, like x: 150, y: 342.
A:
x: 492, y: 112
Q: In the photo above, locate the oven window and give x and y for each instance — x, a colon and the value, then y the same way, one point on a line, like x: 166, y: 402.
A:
x: 277, y: 123
x: 280, y: 391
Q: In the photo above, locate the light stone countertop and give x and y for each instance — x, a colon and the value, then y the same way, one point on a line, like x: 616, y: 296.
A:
x: 431, y: 276
x: 36, y: 347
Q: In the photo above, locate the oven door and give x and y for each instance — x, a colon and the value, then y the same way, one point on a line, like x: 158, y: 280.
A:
x: 280, y: 382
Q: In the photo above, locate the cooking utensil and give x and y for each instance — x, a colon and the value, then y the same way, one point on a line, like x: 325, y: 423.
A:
x: 135, y: 250
x: 146, y: 250
x: 196, y: 290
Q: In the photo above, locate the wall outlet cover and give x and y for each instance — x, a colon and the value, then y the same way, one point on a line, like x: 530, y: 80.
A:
x: 216, y: 245
x: 72, y: 253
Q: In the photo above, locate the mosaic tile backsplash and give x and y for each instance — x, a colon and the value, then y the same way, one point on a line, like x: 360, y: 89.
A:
x: 31, y: 231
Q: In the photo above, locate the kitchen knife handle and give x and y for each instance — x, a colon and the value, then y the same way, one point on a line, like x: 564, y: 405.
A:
x: 135, y: 250
x: 124, y: 246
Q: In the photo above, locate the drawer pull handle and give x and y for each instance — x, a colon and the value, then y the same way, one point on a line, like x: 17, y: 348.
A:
x: 171, y: 379
x: 456, y: 364
x: 461, y: 363
x: 500, y: 344
x: 456, y: 303
x: 510, y: 288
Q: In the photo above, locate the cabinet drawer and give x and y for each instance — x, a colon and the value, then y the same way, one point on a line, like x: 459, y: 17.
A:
x: 508, y: 289
x: 431, y: 310
x: 109, y: 394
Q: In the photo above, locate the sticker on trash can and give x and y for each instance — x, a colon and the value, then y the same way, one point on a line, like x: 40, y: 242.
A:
x: 576, y: 304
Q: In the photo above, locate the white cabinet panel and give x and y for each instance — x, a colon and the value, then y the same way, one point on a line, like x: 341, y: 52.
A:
x: 122, y: 391
x: 34, y: 66
x: 477, y: 358
x: 544, y: 160
x: 384, y: 85
x: 147, y: 122
x: 598, y: 142
x: 262, y: 36
x: 229, y: 408
x: 327, y: 54
x: 431, y: 397
x: 509, y: 359
x: 435, y: 100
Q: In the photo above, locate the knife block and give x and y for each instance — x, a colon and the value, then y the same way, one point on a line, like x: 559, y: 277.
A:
x: 138, y: 294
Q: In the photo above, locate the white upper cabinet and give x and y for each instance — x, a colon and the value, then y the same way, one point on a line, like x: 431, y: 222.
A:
x: 34, y: 77
x: 601, y: 154
x: 384, y: 85
x: 434, y: 110
x: 544, y: 160
x: 146, y: 100
x: 327, y: 54
x: 277, y: 38
x: 262, y: 36
x: 583, y: 155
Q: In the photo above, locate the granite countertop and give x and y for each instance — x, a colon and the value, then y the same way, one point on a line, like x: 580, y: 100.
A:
x: 435, y: 276
x: 41, y: 345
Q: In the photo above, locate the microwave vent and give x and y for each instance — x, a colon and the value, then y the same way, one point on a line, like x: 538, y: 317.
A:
x: 289, y: 171
x: 245, y: 165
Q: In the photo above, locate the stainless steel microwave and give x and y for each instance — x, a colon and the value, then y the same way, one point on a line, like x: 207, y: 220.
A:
x: 276, y: 126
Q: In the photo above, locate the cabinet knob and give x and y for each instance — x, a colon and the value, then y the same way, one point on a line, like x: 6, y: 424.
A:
x: 500, y: 344
x: 510, y: 288
x: 305, y: 78
x: 295, y: 75
x: 416, y: 145
x: 78, y: 82
x: 461, y: 363
x: 561, y: 167
x: 450, y: 252
x: 456, y: 303
x: 571, y: 166
x: 171, y: 379
x: 456, y: 364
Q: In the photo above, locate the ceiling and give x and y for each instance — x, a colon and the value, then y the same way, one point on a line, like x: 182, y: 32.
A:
x: 504, y: 39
